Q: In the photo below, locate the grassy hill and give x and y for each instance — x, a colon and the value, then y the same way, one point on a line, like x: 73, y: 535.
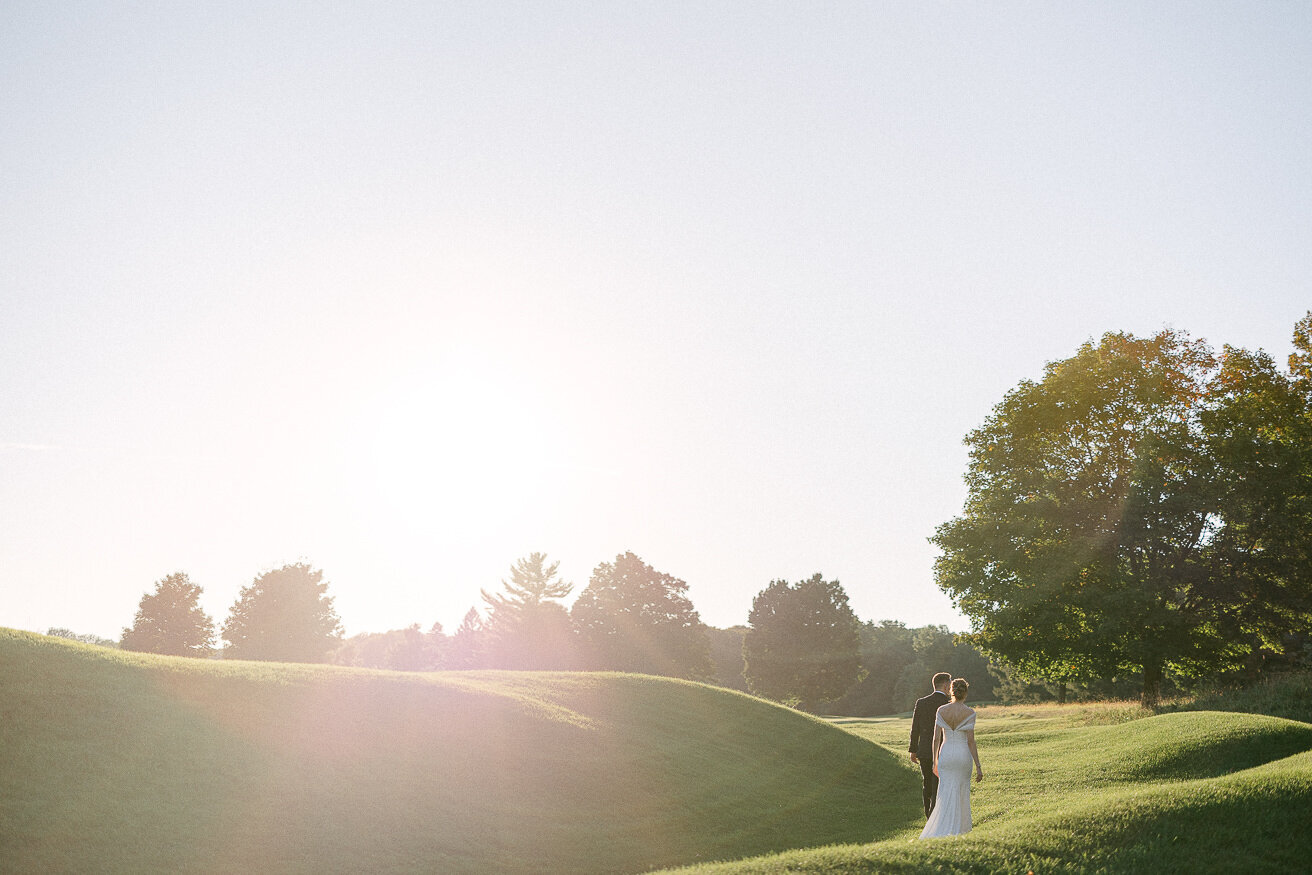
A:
x: 1101, y: 789
x: 119, y: 762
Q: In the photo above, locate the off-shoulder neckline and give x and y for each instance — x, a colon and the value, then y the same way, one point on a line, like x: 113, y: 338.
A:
x: 970, y: 713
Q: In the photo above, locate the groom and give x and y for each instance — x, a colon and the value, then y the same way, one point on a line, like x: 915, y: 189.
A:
x: 922, y: 735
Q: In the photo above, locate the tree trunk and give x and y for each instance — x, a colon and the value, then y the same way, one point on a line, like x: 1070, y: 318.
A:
x: 1061, y: 693
x: 1152, y: 685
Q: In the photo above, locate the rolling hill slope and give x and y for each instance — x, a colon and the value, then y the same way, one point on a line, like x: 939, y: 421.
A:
x: 113, y: 761
x: 118, y: 762
x: 1192, y: 792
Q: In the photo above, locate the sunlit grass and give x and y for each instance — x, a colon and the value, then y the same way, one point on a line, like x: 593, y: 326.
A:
x: 121, y: 762
x: 1104, y: 787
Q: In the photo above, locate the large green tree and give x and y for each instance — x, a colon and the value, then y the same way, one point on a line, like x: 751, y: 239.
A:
x: 936, y: 649
x: 1096, y: 533
x: 527, y: 627
x: 1257, y: 431
x: 899, y: 662
x: 887, y: 648
x: 631, y: 617
x: 285, y: 615
x: 170, y: 620
x: 803, y: 642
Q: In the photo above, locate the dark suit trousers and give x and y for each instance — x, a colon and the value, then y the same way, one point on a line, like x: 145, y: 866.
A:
x: 930, y: 791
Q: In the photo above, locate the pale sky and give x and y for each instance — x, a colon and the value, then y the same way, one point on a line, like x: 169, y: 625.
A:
x: 411, y: 290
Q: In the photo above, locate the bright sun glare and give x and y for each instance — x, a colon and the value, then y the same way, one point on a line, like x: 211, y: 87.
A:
x: 463, y: 451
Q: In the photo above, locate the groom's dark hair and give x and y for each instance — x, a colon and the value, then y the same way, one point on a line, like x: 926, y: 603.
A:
x: 942, y: 679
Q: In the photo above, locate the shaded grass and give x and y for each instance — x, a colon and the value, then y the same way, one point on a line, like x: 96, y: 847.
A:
x: 1287, y: 695
x: 119, y: 762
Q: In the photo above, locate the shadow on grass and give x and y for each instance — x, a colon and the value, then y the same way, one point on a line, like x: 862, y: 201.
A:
x: 1249, y: 822
x: 120, y: 763
x: 722, y: 776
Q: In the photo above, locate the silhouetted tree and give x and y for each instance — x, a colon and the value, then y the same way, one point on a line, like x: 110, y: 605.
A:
x: 531, y: 582
x: 466, y: 648
x: 803, y: 642
x: 727, y: 656
x: 413, y: 650
x: 83, y: 637
x: 285, y: 615
x: 407, y: 649
x: 631, y: 617
x: 526, y: 628
x: 170, y: 620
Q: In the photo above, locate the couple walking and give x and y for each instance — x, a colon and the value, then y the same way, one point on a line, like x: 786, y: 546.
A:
x: 943, y: 744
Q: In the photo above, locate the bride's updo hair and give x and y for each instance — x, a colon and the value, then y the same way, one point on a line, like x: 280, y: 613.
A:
x: 959, y: 689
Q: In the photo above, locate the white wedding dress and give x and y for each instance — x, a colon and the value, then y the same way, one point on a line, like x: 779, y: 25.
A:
x: 951, y: 815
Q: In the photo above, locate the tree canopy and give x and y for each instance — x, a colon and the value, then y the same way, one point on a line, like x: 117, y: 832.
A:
x: 1109, y: 519
x: 631, y: 617
x: 285, y: 615
x: 898, y: 663
x: 527, y: 628
x: 408, y: 649
x: 727, y: 656
x: 803, y: 642
x: 466, y: 649
x: 170, y: 620
x: 82, y: 637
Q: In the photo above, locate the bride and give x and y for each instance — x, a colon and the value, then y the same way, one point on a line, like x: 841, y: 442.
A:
x: 954, y: 750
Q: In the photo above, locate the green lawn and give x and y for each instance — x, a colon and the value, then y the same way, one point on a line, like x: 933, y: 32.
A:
x: 1104, y: 788
x: 116, y: 762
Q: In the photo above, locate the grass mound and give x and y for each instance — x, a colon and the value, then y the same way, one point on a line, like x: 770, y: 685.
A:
x: 1169, y: 746
x: 1068, y: 791
x: 113, y: 761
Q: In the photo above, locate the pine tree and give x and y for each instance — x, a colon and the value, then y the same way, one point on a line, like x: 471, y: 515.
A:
x: 466, y: 650
x: 526, y: 628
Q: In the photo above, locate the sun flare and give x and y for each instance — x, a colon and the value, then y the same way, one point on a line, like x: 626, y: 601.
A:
x: 464, y: 450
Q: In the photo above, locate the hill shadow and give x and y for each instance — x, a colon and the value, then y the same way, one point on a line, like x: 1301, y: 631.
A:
x: 124, y: 762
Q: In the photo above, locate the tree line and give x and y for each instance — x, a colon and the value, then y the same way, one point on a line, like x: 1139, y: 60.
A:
x: 802, y: 645
x: 1137, y: 520
x: 630, y: 617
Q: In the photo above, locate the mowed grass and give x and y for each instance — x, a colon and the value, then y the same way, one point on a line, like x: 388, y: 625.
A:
x: 1103, y: 788
x: 119, y: 762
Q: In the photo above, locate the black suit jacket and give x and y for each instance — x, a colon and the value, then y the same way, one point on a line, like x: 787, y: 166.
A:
x: 922, y: 724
